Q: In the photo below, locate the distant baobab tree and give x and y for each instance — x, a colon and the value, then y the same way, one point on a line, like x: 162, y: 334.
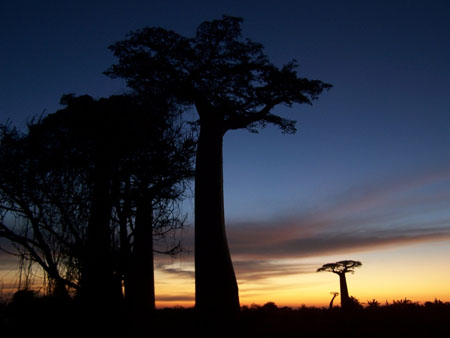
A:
x: 332, y: 299
x: 233, y: 85
x: 341, y: 268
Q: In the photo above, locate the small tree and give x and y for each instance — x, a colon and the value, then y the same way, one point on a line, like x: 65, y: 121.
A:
x: 335, y: 294
x: 341, y: 268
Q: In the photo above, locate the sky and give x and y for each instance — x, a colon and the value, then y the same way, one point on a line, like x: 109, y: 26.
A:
x: 366, y: 177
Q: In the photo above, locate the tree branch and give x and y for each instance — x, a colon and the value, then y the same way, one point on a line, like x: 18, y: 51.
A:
x: 245, y: 120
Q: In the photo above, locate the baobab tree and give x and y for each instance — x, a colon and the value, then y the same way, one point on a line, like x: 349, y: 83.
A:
x: 335, y: 294
x: 233, y: 85
x: 341, y: 268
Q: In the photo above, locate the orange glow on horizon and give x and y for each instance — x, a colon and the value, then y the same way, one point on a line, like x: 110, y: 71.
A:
x: 418, y: 273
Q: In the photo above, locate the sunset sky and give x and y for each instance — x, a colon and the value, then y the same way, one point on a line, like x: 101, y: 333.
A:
x: 366, y: 177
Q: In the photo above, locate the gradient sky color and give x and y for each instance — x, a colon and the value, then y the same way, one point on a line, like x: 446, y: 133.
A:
x: 366, y: 177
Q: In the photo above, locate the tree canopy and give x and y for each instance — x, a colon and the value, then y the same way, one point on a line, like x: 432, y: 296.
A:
x: 341, y: 267
x: 217, y: 70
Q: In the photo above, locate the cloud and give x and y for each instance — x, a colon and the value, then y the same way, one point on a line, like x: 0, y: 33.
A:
x: 175, y: 298
x: 256, y: 270
x: 247, y: 270
x: 256, y: 261
x: 411, y: 209
x: 408, y: 210
x: 339, y: 242
x: 168, y: 266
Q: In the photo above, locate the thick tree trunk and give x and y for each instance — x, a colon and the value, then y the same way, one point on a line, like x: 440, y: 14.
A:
x: 215, y: 281
x: 140, y: 291
x: 345, y: 299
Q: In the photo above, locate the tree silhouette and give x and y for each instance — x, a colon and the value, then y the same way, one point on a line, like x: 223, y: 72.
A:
x: 232, y: 85
x: 42, y: 211
x: 335, y: 294
x: 128, y: 158
x: 139, y: 161
x: 341, y: 268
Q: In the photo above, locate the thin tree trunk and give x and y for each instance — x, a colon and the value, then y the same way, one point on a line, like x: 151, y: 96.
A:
x: 124, y: 213
x: 345, y: 299
x: 99, y: 285
x: 215, y: 281
x: 140, y: 292
x: 331, y: 302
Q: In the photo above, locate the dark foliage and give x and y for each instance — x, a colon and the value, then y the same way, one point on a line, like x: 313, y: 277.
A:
x: 50, y: 180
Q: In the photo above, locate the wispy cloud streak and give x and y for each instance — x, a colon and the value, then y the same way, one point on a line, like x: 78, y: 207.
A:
x: 175, y: 298
x: 412, y: 209
x: 333, y: 242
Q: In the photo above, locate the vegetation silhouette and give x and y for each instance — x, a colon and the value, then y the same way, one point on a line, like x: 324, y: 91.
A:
x: 232, y: 85
x: 92, y: 186
x: 398, y: 319
x: 341, y: 268
x: 33, y: 191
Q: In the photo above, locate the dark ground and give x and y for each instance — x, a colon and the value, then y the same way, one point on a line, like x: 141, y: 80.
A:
x: 50, y: 317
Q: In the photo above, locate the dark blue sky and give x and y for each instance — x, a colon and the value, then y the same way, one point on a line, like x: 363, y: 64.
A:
x: 386, y: 119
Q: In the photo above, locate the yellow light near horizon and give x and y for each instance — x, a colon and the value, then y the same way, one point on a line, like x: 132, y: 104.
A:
x: 417, y: 272
x: 171, y: 291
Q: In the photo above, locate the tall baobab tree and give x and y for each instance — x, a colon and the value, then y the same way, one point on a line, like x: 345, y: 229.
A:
x: 233, y: 85
x: 341, y: 268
